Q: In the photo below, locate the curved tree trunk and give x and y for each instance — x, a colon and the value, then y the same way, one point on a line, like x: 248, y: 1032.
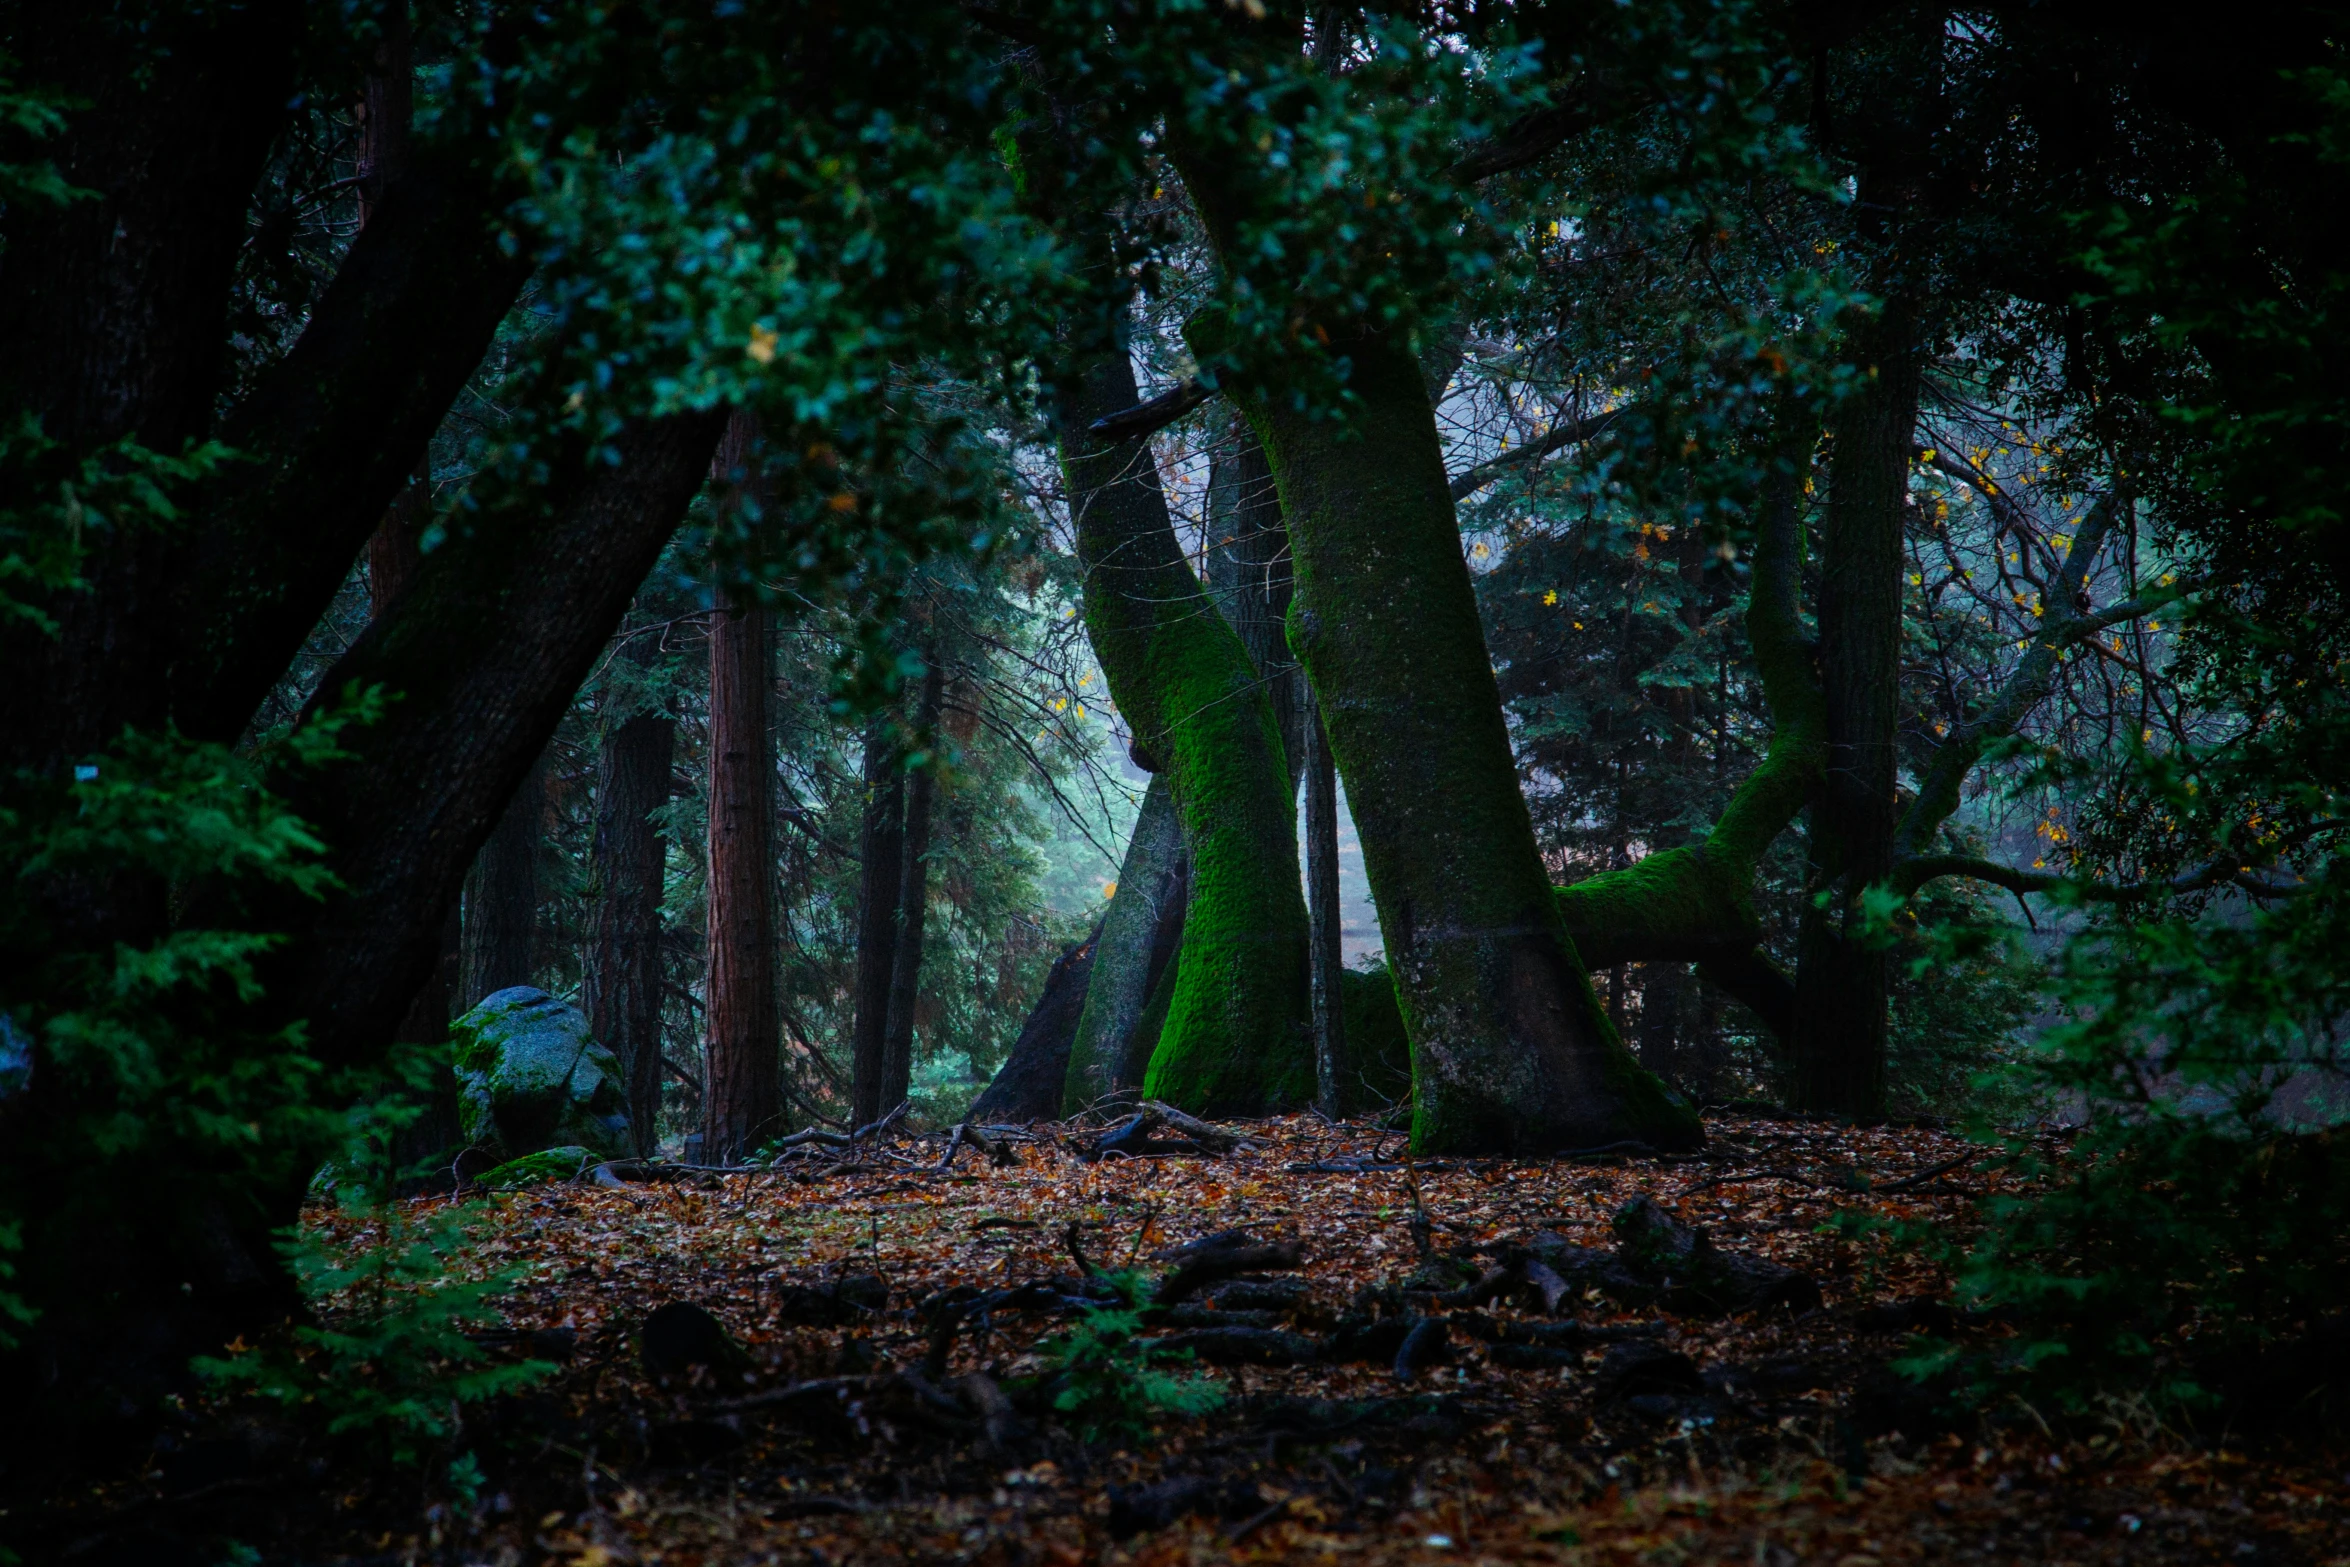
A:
x: 1107, y: 1056
x: 1233, y: 1042
x: 1695, y: 903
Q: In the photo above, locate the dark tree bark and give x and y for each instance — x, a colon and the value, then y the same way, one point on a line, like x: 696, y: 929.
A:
x: 742, y: 1089
x: 1248, y: 573
x: 881, y: 846
x: 486, y: 647
x: 392, y: 561
x: 913, y: 900
x: 502, y: 897
x: 1027, y: 1087
x: 1233, y: 1039
x: 1131, y: 949
x: 622, y: 971
x: 112, y: 313
x: 1843, y: 983
x: 1337, y: 1084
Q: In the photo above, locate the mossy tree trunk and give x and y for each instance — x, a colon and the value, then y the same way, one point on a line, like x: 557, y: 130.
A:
x: 1511, y: 1052
x: 1107, y: 1058
x: 1695, y: 902
x: 1233, y: 1041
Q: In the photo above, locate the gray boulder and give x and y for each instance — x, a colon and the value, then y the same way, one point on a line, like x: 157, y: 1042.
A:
x: 530, y: 1077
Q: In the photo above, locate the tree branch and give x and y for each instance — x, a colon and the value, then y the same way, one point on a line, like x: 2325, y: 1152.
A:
x: 1153, y: 415
x: 1470, y: 480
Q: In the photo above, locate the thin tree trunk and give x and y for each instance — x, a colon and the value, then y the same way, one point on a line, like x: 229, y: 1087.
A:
x: 502, y: 897
x: 1248, y: 572
x: 905, y: 979
x: 882, y: 849
x: 1138, y: 935
x: 742, y: 1102
x: 621, y: 973
x: 1338, y: 1086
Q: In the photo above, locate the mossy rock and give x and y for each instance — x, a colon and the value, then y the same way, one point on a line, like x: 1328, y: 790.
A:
x: 531, y: 1078
x: 533, y: 1169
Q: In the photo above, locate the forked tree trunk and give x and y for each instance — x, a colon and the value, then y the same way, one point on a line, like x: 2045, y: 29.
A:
x: 913, y: 899
x: 881, y: 843
x: 1233, y: 1041
x: 1138, y: 934
x: 621, y: 977
x: 742, y: 1089
x: 502, y: 897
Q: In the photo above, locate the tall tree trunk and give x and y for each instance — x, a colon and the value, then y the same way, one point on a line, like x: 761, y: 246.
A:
x: 743, y: 1060
x: 1843, y: 984
x: 502, y: 897
x: 1248, y: 573
x: 1234, y: 1038
x: 1511, y: 1050
x: 621, y: 973
x: 905, y: 975
x: 1337, y: 1081
x: 881, y: 844
x: 1138, y: 936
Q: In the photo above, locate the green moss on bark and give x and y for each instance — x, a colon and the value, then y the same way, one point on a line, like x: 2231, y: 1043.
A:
x: 1234, y: 1041
x: 1109, y: 1053
x: 1512, y: 1052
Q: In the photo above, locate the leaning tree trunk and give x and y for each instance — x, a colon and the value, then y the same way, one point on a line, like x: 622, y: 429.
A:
x: 1233, y: 1040
x: 1107, y: 1056
x: 881, y: 844
x: 502, y: 897
x: 1027, y: 1087
x: 621, y: 976
x: 905, y: 959
x: 1843, y: 983
x: 1511, y: 1050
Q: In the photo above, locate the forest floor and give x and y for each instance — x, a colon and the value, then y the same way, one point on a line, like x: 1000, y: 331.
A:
x: 1782, y: 1436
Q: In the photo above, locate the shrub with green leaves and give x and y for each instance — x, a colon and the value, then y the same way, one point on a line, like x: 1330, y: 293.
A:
x: 387, y: 1356
x: 1112, y: 1381
x: 2201, y: 1215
